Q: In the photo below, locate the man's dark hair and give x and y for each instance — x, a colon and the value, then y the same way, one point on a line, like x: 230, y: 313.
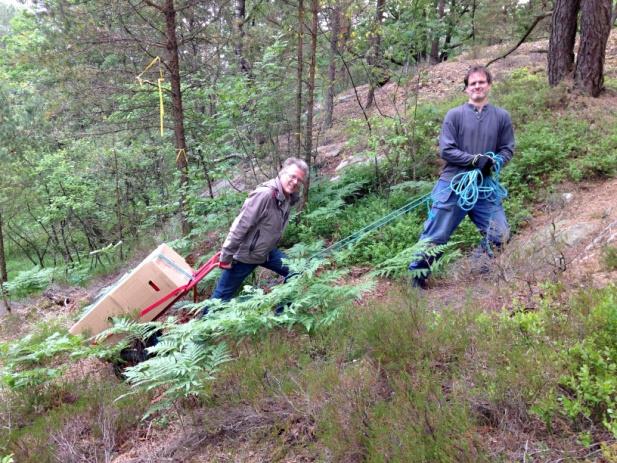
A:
x: 478, y: 68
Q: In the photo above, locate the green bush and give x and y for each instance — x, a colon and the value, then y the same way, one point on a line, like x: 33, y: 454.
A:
x: 526, y: 96
x: 609, y: 258
x: 545, y: 149
x: 591, y: 381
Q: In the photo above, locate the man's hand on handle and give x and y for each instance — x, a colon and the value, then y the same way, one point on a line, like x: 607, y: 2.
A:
x: 225, y: 265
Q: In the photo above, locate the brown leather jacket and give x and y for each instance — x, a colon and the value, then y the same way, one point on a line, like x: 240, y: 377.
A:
x: 260, y: 224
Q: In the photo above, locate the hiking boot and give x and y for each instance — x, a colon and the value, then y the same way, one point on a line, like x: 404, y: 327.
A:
x: 419, y: 283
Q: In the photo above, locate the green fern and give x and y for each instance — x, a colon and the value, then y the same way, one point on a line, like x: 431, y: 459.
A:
x: 130, y: 329
x: 30, y: 281
x: 418, y: 186
x: 303, y: 250
x: 42, y: 356
x: 188, y: 355
x: 397, y: 266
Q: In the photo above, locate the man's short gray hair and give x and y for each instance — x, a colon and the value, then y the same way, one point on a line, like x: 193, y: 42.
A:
x: 297, y: 162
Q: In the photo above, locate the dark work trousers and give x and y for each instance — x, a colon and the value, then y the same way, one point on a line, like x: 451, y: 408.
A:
x: 232, y: 279
x: 446, y: 215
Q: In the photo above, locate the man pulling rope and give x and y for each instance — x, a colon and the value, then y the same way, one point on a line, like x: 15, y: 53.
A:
x: 475, y: 136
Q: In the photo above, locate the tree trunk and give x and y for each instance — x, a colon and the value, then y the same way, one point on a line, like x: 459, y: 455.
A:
x: 4, y: 276
x: 7, y: 306
x: 299, y: 73
x: 335, y: 29
x: 376, y: 74
x: 238, y: 26
x: 474, y: 7
x: 614, y: 15
x: 450, y: 31
x: 435, y: 56
x: 595, y: 29
x: 68, y: 257
x: 5, y: 298
x: 119, y: 206
x: 561, y: 43
x: 178, y: 113
x: 310, y: 97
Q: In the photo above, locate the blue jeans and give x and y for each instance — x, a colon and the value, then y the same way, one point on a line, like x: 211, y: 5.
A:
x: 446, y: 215
x: 232, y: 279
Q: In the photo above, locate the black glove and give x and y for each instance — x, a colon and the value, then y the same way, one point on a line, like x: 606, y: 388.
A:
x: 484, y: 163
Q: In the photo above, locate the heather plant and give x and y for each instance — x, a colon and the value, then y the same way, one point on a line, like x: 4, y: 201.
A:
x: 86, y: 423
x: 590, y: 384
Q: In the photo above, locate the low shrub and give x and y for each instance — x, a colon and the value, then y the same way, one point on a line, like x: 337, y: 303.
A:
x: 609, y: 258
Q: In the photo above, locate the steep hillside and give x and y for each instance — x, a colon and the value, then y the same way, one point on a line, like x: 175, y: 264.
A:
x: 428, y: 374
x: 562, y: 241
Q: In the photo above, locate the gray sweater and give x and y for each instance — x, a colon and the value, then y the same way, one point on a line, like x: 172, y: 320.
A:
x: 466, y: 132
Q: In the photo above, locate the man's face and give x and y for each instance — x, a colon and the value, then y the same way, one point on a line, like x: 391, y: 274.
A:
x: 291, y: 178
x: 477, y: 88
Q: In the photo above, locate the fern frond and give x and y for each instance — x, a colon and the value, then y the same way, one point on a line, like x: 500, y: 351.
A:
x: 397, y: 266
x: 132, y: 329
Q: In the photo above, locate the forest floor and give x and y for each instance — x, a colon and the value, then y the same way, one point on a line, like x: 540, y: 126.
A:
x: 564, y: 238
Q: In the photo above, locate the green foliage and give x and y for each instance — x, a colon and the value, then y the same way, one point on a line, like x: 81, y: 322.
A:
x: 544, y: 150
x: 189, y: 355
x: 37, y: 394
x: 214, y: 214
x: 329, y: 202
x: 591, y: 382
x: 34, y: 361
x: 551, y: 147
x: 80, y: 417
x: 30, y: 281
x: 397, y: 265
x: 527, y: 96
x: 601, y: 155
x: 180, y: 371
x: 399, y: 428
x: 609, y: 258
x: 407, y: 143
x: 370, y: 382
x: 343, y: 219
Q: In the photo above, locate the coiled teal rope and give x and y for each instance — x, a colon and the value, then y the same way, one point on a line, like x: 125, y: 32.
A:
x: 472, y: 185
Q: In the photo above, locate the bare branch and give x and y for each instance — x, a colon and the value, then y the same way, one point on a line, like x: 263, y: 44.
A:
x: 529, y: 30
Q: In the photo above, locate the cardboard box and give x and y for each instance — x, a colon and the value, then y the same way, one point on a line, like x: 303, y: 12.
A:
x: 156, y: 276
